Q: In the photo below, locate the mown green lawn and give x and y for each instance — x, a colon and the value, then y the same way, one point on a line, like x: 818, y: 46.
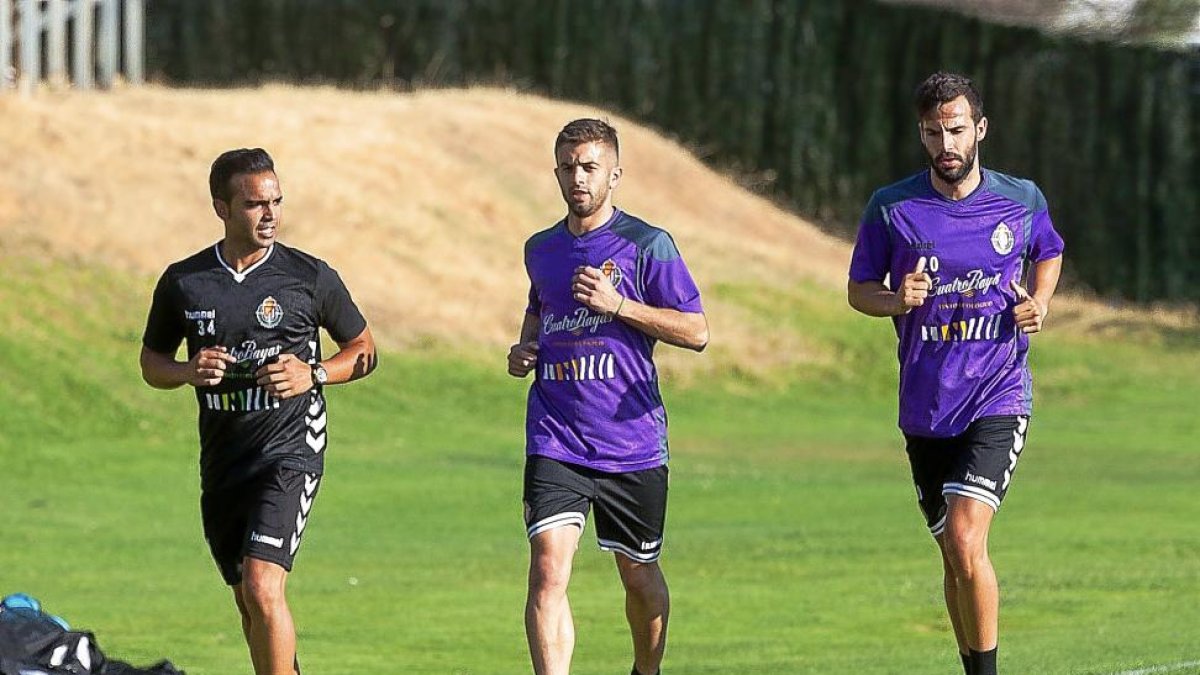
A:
x: 794, y: 544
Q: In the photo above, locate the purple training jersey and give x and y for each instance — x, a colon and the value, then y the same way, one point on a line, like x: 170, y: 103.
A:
x: 961, y: 354
x: 595, y: 399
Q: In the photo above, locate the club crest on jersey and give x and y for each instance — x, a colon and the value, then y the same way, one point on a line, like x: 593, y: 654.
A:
x: 1003, y: 239
x: 269, y: 313
x: 610, y: 270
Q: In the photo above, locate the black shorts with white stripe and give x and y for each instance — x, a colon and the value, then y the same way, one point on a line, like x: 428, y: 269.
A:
x: 263, y: 518
x: 631, y: 508
x: 978, y: 464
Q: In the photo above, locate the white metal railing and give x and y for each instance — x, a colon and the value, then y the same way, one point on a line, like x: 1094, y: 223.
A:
x: 95, y: 29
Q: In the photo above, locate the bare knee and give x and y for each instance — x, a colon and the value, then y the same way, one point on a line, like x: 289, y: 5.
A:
x: 964, y: 541
x: 548, y: 576
x: 643, y: 580
x: 965, y: 550
x: 262, y: 588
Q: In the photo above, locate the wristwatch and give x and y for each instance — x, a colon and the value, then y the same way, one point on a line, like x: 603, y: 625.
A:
x: 319, y: 374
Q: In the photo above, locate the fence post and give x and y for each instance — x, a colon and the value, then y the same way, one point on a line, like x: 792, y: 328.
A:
x: 93, y: 53
x: 56, y: 42
x: 6, y: 44
x: 107, y: 38
x: 134, y: 64
x: 81, y: 55
x: 29, y: 66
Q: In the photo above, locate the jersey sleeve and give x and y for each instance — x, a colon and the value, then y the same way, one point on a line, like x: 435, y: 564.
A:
x: 667, y: 283
x: 1044, y: 241
x: 336, y: 311
x: 872, y: 254
x: 165, y: 329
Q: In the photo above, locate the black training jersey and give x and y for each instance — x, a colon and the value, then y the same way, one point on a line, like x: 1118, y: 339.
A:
x: 273, y: 307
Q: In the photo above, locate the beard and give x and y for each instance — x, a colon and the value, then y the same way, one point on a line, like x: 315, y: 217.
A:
x: 589, y: 207
x: 955, y: 176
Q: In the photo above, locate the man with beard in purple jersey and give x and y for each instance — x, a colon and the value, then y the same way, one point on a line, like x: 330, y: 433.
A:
x: 604, y: 288
x: 942, y: 253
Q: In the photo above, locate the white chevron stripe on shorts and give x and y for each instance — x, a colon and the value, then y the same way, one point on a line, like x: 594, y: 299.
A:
x: 306, y: 501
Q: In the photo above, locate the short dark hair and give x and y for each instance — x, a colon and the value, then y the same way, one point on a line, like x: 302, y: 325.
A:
x: 233, y: 163
x: 588, y: 131
x: 941, y: 87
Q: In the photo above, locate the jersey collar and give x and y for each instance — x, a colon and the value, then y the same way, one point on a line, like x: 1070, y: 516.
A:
x: 984, y: 186
x: 607, y: 224
x: 241, y: 276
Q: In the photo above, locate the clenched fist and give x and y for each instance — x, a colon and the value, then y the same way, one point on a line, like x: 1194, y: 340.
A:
x: 1029, y: 312
x: 914, y: 288
x: 522, y: 358
x: 207, y: 367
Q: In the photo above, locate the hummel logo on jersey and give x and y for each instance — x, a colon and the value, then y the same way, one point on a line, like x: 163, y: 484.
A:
x: 205, y: 320
x: 269, y: 313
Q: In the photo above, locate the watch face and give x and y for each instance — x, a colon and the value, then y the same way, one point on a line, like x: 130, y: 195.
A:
x: 320, y: 376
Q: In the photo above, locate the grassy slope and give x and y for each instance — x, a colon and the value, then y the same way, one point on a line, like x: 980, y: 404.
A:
x: 421, y: 201
x: 794, y: 543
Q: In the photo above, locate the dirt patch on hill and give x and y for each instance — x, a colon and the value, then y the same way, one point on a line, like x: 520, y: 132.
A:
x: 422, y: 201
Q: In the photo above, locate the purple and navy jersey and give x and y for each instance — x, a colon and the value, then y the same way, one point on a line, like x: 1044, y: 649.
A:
x: 595, y: 400
x: 961, y: 354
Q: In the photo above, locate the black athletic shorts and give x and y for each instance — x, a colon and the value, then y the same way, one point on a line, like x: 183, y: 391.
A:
x: 263, y: 518
x: 631, y: 508
x: 978, y: 463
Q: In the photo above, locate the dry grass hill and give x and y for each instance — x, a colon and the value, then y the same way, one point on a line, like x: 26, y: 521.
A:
x: 421, y: 201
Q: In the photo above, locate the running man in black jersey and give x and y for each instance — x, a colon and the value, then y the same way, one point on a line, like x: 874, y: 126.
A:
x: 250, y: 310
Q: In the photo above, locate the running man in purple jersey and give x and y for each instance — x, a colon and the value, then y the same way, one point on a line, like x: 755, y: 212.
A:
x: 942, y: 253
x: 605, y: 287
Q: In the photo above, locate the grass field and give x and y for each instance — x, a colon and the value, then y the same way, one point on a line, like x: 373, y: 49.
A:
x: 794, y: 543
